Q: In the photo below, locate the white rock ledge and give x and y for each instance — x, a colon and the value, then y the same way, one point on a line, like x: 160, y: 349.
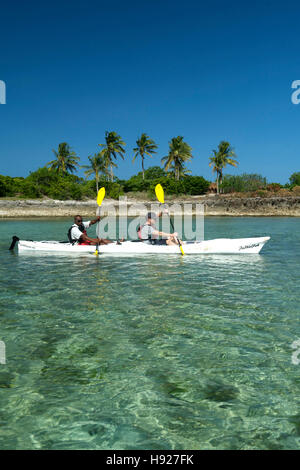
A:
x: 213, y: 206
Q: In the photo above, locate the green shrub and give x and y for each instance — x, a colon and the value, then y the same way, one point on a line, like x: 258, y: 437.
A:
x: 154, y: 172
x: 137, y: 183
x: 169, y: 185
x: 112, y: 189
x: 2, y: 187
x: 242, y: 183
x: 195, y: 185
x: 5, y: 186
x: 115, y: 191
x: 46, y: 182
x: 295, y: 179
x: 65, y: 191
x: 89, y: 189
x: 30, y: 190
x: 10, y: 186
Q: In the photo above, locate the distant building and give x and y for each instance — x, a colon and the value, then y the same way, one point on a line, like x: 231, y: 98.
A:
x: 212, y: 188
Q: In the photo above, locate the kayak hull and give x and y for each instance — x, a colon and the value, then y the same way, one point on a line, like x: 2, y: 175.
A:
x: 217, y: 246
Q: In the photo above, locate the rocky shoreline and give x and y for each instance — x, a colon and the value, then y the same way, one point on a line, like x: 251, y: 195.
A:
x: 213, y: 206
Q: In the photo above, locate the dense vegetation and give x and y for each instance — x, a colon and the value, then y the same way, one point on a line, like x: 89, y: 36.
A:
x: 243, y: 183
x: 295, y: 179
x: 57, y: 181
x: 246, y: 183
x: 56, y: 185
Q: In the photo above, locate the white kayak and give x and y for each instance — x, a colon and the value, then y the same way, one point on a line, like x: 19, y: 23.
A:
x: 217, y: 246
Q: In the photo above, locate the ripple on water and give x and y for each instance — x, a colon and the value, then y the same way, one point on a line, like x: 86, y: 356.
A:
x: 152, y: 353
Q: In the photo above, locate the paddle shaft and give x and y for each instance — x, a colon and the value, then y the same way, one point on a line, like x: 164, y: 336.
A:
x: 100, y: 197
x: 161, y: 198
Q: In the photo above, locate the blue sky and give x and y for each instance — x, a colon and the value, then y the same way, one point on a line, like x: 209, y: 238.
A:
x: 205, y: 70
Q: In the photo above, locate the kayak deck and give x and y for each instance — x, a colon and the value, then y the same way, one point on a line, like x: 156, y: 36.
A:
x: 217, y: 246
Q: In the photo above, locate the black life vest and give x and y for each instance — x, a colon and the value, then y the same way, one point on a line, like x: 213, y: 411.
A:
x: 80, y: 227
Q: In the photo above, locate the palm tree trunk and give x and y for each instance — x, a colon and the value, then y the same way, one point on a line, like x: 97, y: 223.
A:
x: 111, y: 173
x: 97, y: 183
x: 217, y: 182
x: 143, y: 167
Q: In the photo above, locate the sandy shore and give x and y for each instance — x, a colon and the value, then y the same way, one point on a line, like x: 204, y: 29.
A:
x: 213, y: 206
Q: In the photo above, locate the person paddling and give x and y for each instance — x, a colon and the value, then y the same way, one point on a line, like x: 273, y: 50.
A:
x: 77, y: 233
x: 150, y: 234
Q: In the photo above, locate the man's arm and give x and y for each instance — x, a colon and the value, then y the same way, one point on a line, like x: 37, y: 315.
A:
x: 163, y: 212
x: 92, y: 222
x: 164, y: 234
x: 85, y: 238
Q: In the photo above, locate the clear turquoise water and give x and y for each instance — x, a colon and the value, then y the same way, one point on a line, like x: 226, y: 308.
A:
x: 151, y: 353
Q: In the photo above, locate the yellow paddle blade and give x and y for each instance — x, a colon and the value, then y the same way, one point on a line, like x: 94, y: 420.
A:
x: 160, y: 193
x: 101, y: 195
x: 181, y: 249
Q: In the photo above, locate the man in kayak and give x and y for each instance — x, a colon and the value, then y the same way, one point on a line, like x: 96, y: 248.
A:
x: 149, y: 233
x: 77, y: 233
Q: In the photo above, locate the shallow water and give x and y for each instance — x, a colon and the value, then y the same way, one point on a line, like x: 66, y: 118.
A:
x: 151, y: 353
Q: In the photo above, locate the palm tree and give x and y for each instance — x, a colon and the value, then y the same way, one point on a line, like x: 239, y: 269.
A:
x: 145, y: 146
x: 113, y: 147
x: 97, y: 167
x: 179, y: 152
x: 66, y: 160
x: 222, y: 157
x: 182, y: 171
x: 108, y: 164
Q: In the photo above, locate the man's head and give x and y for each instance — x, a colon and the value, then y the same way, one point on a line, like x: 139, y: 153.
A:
x: 78, y: 219
x: 151, y: 217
